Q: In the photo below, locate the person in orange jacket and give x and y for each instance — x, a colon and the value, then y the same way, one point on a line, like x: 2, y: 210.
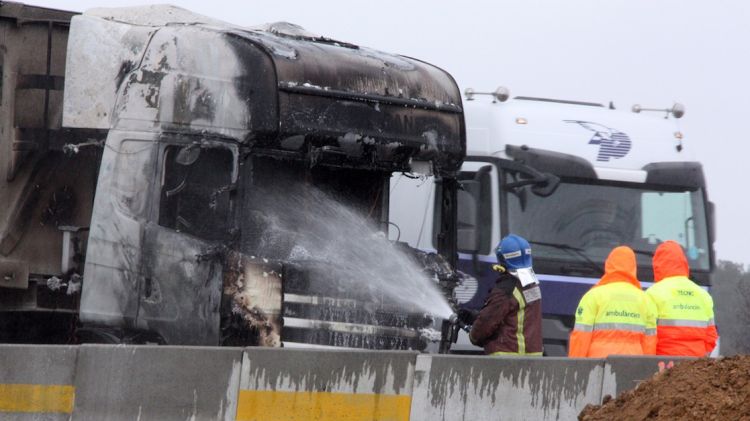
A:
x: 685, y: 312
x: 615, y: 317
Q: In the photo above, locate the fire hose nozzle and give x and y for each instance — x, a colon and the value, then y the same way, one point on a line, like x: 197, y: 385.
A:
x: 454, y: 320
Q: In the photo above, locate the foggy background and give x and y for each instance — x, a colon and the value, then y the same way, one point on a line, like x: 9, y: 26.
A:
x: 626, y: 51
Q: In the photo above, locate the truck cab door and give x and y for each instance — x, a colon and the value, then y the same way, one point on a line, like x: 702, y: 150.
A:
x: 181, y: 290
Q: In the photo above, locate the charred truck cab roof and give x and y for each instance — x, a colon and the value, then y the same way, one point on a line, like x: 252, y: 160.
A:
x: 206, y: 123
x: 279, y: 89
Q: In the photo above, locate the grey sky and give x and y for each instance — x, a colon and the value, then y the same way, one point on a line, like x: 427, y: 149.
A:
x: 629, y: 51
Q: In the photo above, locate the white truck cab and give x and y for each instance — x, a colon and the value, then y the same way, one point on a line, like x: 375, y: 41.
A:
x: 575, y: 179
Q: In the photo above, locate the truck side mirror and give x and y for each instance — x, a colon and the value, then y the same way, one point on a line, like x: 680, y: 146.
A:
x: 468, y: 217
x: 473, y: 199
x: 710, y: 209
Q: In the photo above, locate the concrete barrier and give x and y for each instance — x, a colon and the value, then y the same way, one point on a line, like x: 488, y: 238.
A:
x: 156, y: 383
x: 96, y: 382
x: 448, y: 387
x: 296, y: 384
x: 623, y: 373
x: 36, y: 382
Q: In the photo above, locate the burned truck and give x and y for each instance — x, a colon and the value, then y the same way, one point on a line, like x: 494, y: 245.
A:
x: 173, y: 179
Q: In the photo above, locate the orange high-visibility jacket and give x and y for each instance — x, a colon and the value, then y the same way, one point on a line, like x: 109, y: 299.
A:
x: 615, y: 317
x: 685, y: 312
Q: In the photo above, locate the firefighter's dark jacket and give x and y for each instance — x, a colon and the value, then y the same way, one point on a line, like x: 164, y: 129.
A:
x: 508, y: 324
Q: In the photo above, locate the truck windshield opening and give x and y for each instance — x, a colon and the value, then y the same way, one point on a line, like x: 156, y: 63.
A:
x: 595, y: 217
x: 288, y: 203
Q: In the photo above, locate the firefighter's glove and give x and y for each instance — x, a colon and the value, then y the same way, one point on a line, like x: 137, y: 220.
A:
x: 467, y: 316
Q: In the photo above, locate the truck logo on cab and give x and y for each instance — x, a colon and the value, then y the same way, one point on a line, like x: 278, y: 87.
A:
x: 612, y: 142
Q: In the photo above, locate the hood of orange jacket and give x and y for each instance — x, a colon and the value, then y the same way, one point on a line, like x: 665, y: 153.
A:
x: 620, y: 267
x: 669, y: 260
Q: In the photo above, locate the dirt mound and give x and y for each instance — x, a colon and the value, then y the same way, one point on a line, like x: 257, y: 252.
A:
x: 704, y: 389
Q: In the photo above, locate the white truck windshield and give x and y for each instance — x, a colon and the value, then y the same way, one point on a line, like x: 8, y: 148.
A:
x: 594, y: 218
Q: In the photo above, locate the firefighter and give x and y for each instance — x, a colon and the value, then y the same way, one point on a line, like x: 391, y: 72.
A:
x: 510, y: 322
x: 685, y: 312
x: 615, y: 317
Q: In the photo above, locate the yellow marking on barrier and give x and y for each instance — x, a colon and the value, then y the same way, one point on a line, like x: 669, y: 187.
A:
x: 268, y: 405
x: 56, y: 398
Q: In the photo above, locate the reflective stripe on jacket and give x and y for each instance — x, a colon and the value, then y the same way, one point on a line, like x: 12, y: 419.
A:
x: 685, y: 312
x: 510, y: 322
x: 685, y: 317
x: 615, y: 317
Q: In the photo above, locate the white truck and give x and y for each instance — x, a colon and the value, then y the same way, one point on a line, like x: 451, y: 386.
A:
x: 574, y: 178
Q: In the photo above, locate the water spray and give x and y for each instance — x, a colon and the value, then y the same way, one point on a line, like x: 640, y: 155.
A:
x: 355, y: 253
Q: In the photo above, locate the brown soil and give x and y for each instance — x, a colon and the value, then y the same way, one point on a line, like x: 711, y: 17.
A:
x: 704, y: 389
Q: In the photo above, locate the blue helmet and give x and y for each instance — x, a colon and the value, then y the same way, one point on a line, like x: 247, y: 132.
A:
x: 514, y: 252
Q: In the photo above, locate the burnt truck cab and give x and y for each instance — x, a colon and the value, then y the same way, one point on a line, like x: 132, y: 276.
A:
x: 211, y: 128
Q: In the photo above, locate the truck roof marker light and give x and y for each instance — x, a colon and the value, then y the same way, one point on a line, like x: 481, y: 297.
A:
x: 501, y: 94
x: 677, y: 110
x: 521, y: 120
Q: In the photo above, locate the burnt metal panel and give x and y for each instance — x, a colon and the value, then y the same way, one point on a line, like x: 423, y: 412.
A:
x: 322, y: 309
x: 179, y: 294
x: 252, y: 301
x: 331, y: 89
